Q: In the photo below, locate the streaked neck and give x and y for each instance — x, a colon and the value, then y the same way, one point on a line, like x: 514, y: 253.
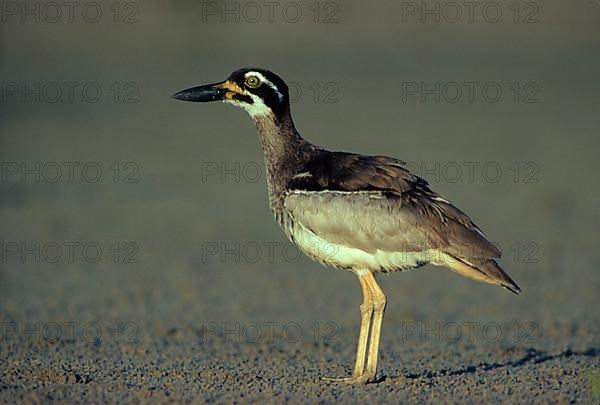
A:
x: 285, y: 151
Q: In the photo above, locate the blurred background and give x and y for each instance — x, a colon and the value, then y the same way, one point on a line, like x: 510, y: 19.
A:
x: 123, y: 209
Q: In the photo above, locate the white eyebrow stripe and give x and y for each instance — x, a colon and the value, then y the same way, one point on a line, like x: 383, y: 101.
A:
x: 267, y: 82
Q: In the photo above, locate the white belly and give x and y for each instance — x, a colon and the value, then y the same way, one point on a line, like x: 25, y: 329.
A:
x: 356, y: 259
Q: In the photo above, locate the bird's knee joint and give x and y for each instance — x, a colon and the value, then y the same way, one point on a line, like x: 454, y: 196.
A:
x: 379, y: 305
x: 366, y: 307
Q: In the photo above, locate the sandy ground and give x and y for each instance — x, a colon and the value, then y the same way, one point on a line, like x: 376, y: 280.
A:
x: 469, y: 343
x: 163, y: 277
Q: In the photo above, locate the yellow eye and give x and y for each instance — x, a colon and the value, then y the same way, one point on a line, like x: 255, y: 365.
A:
x: 252, y: 82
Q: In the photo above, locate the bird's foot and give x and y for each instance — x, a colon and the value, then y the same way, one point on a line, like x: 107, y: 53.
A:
x: 354, y: 379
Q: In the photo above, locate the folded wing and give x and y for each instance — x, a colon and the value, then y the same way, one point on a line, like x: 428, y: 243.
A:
x: 374, y: 204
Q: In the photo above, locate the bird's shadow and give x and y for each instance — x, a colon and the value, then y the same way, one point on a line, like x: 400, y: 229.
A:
x: 532, y: 356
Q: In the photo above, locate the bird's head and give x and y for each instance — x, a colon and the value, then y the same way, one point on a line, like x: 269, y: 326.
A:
x: 258, y: 91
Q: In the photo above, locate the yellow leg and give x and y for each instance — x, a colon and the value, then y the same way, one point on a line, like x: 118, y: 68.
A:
x: 379, y: 302
x: 366, y: 311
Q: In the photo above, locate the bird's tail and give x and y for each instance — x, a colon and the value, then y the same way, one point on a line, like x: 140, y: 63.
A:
x: 485, y: 270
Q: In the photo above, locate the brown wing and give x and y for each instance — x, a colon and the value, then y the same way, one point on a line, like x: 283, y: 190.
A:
x: 403, y: 211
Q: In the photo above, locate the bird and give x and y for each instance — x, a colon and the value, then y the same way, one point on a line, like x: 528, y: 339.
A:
x: 365, y: 214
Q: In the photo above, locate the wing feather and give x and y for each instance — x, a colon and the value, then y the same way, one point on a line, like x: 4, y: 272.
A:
x: 375, y: 204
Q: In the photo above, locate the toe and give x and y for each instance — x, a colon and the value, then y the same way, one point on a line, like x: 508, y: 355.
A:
x: 359, y: 379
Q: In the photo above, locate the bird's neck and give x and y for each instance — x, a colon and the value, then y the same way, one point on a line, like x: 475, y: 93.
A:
x: 285, y: 152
